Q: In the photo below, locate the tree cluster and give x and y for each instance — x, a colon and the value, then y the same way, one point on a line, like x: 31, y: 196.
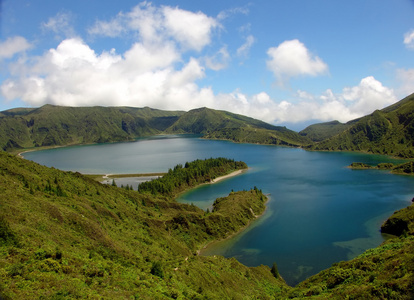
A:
x: 191, y: 174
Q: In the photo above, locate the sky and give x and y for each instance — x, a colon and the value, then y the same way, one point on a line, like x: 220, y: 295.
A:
x: 289, y: 63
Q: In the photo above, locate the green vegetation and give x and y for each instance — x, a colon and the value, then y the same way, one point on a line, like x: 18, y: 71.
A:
x: 58, y: 126
x: 65, y: 236
x: 194, y: 173
x: 403, y: 169
x: 223, y: 125
x: 388, y: 131
x: 322, y: 131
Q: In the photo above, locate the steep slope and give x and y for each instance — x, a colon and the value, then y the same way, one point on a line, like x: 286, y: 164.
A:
x: 215, y: 124
x: 55, y: 125
x: 387, y: 131
x: 63, y: 236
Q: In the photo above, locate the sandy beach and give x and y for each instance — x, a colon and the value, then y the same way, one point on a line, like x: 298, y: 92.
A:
x: 235, y: 173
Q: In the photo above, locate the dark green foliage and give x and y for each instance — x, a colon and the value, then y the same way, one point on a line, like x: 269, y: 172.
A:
x: 194, y: 173
x: 274, y: 270
x: 7, y: 236
x: 402, y: 221
x: 404, y: 168
x: 157, y: 270
x: 359, y: 165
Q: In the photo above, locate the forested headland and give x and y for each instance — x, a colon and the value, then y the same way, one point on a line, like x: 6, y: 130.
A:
x: 193, y: 173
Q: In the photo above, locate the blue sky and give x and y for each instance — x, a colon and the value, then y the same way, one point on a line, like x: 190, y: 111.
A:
x: 288, y: 63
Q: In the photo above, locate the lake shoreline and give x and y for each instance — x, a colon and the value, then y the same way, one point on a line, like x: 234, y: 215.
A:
x: 209, y: 244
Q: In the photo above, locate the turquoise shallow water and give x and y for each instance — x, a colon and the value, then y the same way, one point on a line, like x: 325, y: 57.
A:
x: 319, y: 212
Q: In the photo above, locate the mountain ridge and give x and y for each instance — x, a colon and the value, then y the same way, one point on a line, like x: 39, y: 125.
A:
x: 389, y: 131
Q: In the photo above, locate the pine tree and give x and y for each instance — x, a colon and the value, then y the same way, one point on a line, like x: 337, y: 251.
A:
x: 274, y: 270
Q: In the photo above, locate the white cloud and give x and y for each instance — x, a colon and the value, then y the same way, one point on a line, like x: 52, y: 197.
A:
x: 233, y: 11
x: 157, y: 25
x: 409, y: 39
x: 73, y: 74
x: 218, y: 61
x: 368, y: 96
x: 351, y: 103
x: 111, y: 28
x: 406, y: 80
x: 12, y: 46
x: 292, y: 59
x: 243, y: 50
x: 191, y: 30
x: 60, y: 24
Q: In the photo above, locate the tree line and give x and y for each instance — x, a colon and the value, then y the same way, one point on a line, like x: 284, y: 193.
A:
x: 191, y: 174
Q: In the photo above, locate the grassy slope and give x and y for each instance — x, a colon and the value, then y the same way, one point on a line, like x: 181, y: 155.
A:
x: 65, y: 236
x: 55, y: 125
x: 388, y: 131
x: 215, y: 124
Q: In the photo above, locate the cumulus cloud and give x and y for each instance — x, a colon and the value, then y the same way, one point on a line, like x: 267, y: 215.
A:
x: 155, y: 25
x: 73, y: 74
x: 351, y: 103
x: 153, y: 72
x: 409, y: 39
x: 12, y: 46
x: 191, y: 30
x: 292, y: 59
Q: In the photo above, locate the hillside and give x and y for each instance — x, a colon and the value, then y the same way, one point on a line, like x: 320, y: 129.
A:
x: 388, y: 131
x: 56, y: 125
x: 215, y: 124
x: 64, y: 236
x: 322, y: 131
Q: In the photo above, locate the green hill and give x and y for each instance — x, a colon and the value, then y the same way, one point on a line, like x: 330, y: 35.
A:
x: 215, y: 124
x: 322, y: 131
x: 56, y: 125
x: 59, y: 126
x: 64, y: 236
x: 388, y: 131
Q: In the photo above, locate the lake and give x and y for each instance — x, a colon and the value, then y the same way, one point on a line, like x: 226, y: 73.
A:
x: 319, y: 211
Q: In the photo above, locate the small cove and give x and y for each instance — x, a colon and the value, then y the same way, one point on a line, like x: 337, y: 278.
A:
x: 319, y: 212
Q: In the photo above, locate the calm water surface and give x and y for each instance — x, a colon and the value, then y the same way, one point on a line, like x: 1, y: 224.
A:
x: 319, y: 212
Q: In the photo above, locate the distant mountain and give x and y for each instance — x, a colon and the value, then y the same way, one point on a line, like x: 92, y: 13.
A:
x: 59, y: 126
x: 56, y: 125
x: 216, y: 124
x: 322, y: 131
x: 388, y: 131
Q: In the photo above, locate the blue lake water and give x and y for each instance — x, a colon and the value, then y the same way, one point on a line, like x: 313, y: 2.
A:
x: 319, y: 211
